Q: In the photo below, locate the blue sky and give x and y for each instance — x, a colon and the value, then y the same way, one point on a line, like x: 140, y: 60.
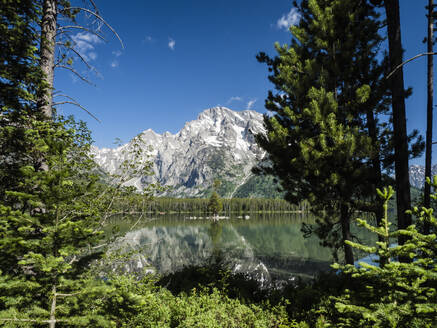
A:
x: 181, y: 57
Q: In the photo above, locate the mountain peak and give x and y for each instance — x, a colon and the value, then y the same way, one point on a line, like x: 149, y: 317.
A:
x: 218, y: 144
x: 215, y: 112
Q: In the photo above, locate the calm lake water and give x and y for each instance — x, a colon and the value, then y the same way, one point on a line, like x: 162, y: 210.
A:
x: 264, y: 246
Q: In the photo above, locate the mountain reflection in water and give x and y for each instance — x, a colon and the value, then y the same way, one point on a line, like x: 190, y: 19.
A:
x: 262, y: 247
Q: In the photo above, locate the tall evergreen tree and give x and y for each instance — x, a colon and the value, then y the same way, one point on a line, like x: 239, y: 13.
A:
x: 50, y: 219
x: 323, y: 138
x: 402, y: 172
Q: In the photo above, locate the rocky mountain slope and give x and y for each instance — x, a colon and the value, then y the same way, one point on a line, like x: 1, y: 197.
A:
x: 218, y: 144
x: 417, y: 175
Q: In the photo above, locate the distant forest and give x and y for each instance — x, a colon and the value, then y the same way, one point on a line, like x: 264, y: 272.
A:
x: 200, y: 205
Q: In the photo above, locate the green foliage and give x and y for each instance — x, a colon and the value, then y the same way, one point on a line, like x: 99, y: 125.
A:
x: 19, y: 71
x: 260, y: 187
x: 20, y: 86
x: 48, y: 226
x: 391, y: 293
x: 141, y: 303
x: 216, y: 184
x: 137, y: 203
x: 214, y: 309
x: 215, y: 204
x: 52, y: 230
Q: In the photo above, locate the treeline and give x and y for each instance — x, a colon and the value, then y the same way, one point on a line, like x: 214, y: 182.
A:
x: 200, y: 205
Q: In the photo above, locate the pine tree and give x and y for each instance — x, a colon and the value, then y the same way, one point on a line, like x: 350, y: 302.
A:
x: 214, y: 204
x: 324, y: 139
x: 50, y: 220
x: 394, y: 294
x: 48, y: 233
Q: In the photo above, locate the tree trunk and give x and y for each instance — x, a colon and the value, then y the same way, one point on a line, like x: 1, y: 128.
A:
x: 346, y: 233
x: 376, y: 164
x: 52, y: 322
x: 428, y: 151
x: 403, y: 197
x: 47, y: 61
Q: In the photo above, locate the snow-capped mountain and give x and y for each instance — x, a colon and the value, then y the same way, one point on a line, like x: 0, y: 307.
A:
x: 417, y: 175
x: 218, y: 144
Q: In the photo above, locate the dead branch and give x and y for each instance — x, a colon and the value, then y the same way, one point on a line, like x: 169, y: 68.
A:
x: 408, y: 60
x: 75, y: 103
x: 74, y: 259
x: 62, y: 30
x: 134, y: 225
x: 100, y: 18
x: 75, y: 73
x: 31, y: 320
x: 77, y: 53
x: 68, y: 295
x: 94, y: 6
x: 21, y: 320
x: 100, y: 246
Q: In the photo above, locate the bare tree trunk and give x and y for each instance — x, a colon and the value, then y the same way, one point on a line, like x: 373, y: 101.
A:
x: 428, y: 151
x: 47, y: 62
x: 402, y: 176
x: 346, y: 233
x: 52, y: 322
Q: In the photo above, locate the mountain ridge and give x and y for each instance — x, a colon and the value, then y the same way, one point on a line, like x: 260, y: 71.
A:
x: 219, y: 143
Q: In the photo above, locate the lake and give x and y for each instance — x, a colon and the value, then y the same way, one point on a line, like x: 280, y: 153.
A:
x: 264, y: 246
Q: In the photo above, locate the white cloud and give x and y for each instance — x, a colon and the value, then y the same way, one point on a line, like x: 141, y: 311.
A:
x: 117, y: 53
x: 234, y: 99
x: 114, y: 63
x: 171, y: 43
x: 84, y: 43
x: 250, y: 103
x: 148, y: 39
x: 88, y: 37
x: 74, y: 78
x: 92, y: 55
x: 289, y: 19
